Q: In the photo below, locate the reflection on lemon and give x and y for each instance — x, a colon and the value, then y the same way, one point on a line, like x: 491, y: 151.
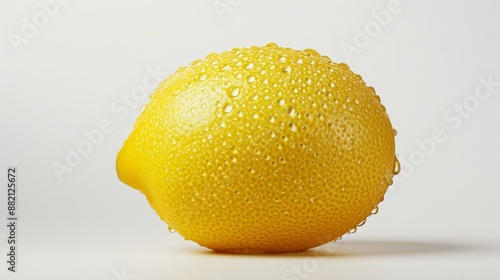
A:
x: 262, y: 149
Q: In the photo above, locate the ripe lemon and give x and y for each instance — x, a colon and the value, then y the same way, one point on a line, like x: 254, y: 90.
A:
x: 262, y: 149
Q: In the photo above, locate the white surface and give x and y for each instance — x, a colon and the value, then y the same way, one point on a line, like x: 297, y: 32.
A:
x: 438, y: 221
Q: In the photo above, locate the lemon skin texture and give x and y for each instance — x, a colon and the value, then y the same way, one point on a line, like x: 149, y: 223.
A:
x: 262, y: 150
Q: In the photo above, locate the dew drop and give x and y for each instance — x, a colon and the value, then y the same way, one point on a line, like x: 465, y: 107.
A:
x: 286, y: 213
x: 226, y: 68
x: 228, y: 108
x: 251, y: 79
x: 281, y: 102
x: 271, y: 45
x: 311, y: 52
x: 196, y: 62
x: 343, y: 65
x: 255, y: 97
x: 282, y: 59
x: 290, y: 111
x: 249, y: 66
x: 255, y: 115
x: 394, y: 132
x: 397, y: 167
x: 313, y: 199
x: 235, y: 92
x: 292, y: 126
x: 375, y: 210
x: 271, y: 119
x: 362, y: 223
x: 172, y: 230
x: 332, y: 85
x: 286, y: 69
x: 299, y: 61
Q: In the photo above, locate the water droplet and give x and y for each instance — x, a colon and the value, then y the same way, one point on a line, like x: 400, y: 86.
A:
x: 271, y: 45
x: 343, y: 65
x: 299, y: 61
x: 397, y: 167
x: 251, y: 79
x: 203, y: 77
x: 226, y: 68
x: 362, y: 223
x: 286, y: 69
x: 171, y: 229
x: 332, y: 85
x: 292, y: 126
x: 282, y: 59
x: 143, y: 106
x: 235, y: 92
x: 308, y: 81
x: 222, y: 124
x: 290, y: 111
x: 271, y: 119
x: 394, y: 132
x: 313, y: 199
x: 311, y: 52
x: 272, y: 134
x: 304, y: 128
x: 255, y: 97
x: 375, y: 210
x: 353, y: 230
x: 249, y: 66
x: 228, y: 108
x: 196, y: 62
x: 281, y: 102
x: 235, y: 191
x: 360, y: 161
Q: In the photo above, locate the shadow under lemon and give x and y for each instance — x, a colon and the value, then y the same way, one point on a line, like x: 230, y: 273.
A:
x: 362, y: 248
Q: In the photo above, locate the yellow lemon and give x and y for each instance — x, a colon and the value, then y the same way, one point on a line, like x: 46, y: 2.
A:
x: 262, y: 149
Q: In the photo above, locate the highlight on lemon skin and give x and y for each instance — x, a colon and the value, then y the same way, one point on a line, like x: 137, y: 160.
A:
x: 262, y: 150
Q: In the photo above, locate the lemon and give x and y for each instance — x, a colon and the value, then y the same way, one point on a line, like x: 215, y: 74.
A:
x: 262, y: 149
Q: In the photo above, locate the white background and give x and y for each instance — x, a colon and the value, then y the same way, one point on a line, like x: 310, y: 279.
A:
x: 440, y: 220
